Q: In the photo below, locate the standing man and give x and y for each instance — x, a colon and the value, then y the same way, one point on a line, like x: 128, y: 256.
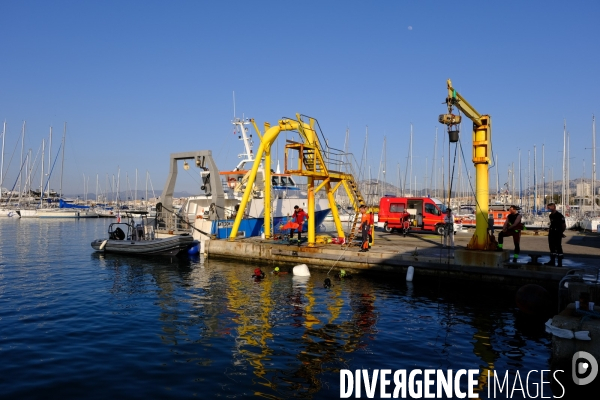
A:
x: 555, y: 235
x: 365, y: 228
x: 449, y: 229
x: 512, y: 227
x: 299, y: 217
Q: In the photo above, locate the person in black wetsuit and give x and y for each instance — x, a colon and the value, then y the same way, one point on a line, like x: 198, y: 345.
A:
x: 555, y: 235
x: 512, y: 227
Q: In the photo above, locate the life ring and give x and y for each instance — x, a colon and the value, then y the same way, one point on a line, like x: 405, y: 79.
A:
x: 232, y: 182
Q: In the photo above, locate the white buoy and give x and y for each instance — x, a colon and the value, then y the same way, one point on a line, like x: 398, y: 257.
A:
x: 410, y: 273
x: 301, y: 270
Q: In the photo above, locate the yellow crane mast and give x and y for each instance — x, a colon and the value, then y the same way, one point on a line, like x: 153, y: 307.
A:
x: 313, y: 164
x: 482, y: 140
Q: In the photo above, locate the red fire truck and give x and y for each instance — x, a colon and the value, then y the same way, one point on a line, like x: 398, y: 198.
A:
x: 419, y: 213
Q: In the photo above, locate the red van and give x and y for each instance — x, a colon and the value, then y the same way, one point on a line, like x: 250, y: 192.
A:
x: 424, y: 213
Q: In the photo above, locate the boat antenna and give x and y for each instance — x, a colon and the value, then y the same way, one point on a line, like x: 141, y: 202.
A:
x: 2, y: 162
x: 62, y: 166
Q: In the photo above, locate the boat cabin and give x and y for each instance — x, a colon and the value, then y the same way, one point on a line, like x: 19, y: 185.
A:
x: 129, y: 229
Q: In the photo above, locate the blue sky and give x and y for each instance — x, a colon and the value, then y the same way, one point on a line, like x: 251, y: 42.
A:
x: 138, y: 80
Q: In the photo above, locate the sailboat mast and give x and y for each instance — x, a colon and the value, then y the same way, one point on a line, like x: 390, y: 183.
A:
x: 49, y: 160
x: 410, y: 174
x: 42, y: 174
x: 398, y: 190
x: 497, y: 178
x: 593, y: 162
x: 346, y: 158
x: 366, y: 157
x: 62, y: 167
x: 543, y: 178
x: 568, y: 181
x: 552, y: 185
x: 118, y: 185
x: 513, y: 183
x: 28, y: 171
x: 433, y: 180
x: 564, y: 168
x: 384, y: 166
x: 520, y: 181
x: 2, y: 162
x: 528, y: 180
x: 21, y: 172
x: 535, y: 193
x: 425, y: 177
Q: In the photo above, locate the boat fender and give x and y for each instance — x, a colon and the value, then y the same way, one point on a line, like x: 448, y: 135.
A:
x: 103, y: 244
x: 301, y: 270
x: 195, y: 249
x: 410, y: 273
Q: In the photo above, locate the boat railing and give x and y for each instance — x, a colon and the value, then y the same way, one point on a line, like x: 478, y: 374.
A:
x: 167, y: 220
x: 335, y: 159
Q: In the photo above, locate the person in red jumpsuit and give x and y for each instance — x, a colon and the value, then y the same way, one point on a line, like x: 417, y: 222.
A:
x: 299, y: 217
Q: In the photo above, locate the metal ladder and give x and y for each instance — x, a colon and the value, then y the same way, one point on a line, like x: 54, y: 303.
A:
x: 312, y: 161
x: 359, y: 201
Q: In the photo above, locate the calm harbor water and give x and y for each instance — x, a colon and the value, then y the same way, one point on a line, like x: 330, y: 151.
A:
x: 76, y: 324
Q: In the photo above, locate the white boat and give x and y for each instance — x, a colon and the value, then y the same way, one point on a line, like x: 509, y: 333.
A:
x: 9, y: 213
x: 131, y: 238
x: 590, y: 224
x: 57, y: 213
x: 89, y: 213
x: 212, y: 212
x: 346, y: 214
x: 28, y: 213
x: 285, y: 192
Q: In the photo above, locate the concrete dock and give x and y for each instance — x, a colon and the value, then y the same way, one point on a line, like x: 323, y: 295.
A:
x: 393, y: 253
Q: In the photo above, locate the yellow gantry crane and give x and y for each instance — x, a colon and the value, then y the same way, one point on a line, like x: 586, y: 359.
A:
x: 312, y: 164
x: 482, y: 141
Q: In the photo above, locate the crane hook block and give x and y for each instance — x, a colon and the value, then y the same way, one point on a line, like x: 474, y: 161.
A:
x: 449, y: 119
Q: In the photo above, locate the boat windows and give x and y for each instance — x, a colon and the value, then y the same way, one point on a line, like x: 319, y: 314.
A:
x: 284, y: 181
x: 275, y: 180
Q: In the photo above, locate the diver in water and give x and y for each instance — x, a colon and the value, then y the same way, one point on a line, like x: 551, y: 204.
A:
x: 258, y: 274
x: 327, y: 283
x: 276, y: 271
x: 343, y: 275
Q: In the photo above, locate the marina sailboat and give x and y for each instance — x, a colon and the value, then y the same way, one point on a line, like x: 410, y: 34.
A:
x: 5, y: 208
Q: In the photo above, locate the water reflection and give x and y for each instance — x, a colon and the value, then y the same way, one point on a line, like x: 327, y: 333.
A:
x: 288, y: 336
